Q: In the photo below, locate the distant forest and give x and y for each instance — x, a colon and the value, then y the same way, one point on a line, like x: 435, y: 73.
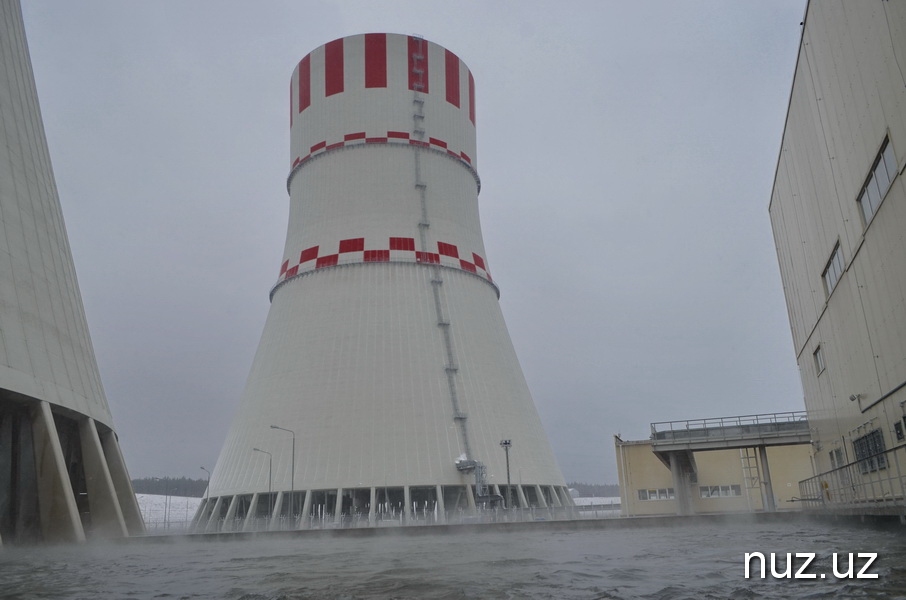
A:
x: 595, y: 490
x: 170, y: 486
x: 194, y: 488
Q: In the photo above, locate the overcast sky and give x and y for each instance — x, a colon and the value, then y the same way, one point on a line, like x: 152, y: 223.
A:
x: 626, y: 150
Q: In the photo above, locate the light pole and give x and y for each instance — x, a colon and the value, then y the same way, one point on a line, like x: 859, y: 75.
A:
x: 270, y: 499
x: 506, y: 444
x: 292, y: 474
x: 160, y: 482
x: 207, y: 489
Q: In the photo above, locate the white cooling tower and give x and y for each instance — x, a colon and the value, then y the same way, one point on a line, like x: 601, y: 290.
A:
x: 385, y: 360
x: 62, y: 475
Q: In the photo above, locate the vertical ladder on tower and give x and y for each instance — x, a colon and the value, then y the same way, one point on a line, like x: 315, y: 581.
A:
x: 451, y: 369
x: 749, y: 458
x: 750, y: 473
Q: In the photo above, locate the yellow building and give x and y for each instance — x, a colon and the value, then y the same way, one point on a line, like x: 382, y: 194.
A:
x: 715, y: 466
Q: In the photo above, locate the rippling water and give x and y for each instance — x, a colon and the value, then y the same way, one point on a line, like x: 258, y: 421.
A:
x: 653, y: 562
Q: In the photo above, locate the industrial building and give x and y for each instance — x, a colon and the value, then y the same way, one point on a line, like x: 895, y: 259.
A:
x: 62, y: 475
x: 838, y: 213
x: 750, y: 463
x: 385, y: 386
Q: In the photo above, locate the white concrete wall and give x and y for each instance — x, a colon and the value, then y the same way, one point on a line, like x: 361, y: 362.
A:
x: 45, y: 349
x: 847, y: 96
x: 353, y: 357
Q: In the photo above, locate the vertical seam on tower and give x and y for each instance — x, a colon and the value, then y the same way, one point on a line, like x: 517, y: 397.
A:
x: 418, y: 131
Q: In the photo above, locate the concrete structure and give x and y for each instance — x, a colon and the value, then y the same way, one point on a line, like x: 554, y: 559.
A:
x: 62, y: 475
x: 385, y: 379
x: 739, y: 464
x: 838, y: 211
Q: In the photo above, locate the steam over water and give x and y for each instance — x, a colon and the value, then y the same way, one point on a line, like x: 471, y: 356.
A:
x: 703, y: 560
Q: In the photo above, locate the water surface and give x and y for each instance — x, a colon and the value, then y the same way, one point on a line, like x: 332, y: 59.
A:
x: 700, y: 561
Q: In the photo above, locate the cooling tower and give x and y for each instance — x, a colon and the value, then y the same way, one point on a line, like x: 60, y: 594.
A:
x: 385, y: 379
x: 62, y: 475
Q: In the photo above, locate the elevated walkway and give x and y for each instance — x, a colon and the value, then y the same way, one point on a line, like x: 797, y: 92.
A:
x: 775, y: 429
x: 675, y: 442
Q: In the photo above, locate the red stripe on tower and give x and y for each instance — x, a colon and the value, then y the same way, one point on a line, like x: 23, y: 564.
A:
x: 447, y: 249
x: 352, y: 245
x: 400, y: 243
x: 309, y: 254
x: 375, y: 60
x: 451, y: 64
x: 305, y: 83
x: 418, y: 64
x: 333, y: 67
x: 471, y: 98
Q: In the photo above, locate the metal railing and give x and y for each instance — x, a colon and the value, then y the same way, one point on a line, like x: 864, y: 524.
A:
x: 740, y: 427
x: 873, y: 485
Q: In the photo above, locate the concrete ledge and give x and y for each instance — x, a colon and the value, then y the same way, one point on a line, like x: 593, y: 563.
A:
x: 553, y: 526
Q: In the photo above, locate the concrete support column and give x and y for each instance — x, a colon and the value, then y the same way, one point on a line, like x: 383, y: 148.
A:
x: 132, y: 513
x: 521, y: 495
x: 338, y: 510
x: 470, y: 498
x: 371, y: 506
x: 211, y: 525
x: 541, y: 499
x: 250, y: 516
x: 199, y: 513
x: 106, y: 517
x: 278, y: 507
x: 60, y: 519
x: 555, y: 498
x: 407, y: 503
x: 767, y: 489
x: 683, y: 505
x: 231, y: 514
x: 441, y: 509
x: 306, y: 508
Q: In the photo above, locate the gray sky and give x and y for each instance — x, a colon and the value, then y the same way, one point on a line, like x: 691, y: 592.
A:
x: 626, y: 150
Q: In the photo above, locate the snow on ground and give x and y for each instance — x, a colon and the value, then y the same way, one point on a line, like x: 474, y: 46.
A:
x: 598, y: 508
x: 162, y: 513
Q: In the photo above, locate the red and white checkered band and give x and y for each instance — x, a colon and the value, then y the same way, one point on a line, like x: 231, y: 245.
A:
x: 361, y: 138
x: 397, y: 249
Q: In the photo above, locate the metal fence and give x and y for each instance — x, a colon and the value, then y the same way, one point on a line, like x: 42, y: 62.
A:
x: 361, y: 520
x: 872, y: 485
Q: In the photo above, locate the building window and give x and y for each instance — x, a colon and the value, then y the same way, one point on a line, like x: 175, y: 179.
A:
x: 719, y: 491
x: 868, y: 450
x: 833, y: 270
x: 836, y: 458
x: 659, y: 494
x: 883, y: 172
x: 819, y: 360
x: 898, y: 429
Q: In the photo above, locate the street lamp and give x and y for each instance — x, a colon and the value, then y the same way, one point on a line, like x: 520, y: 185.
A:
x: 270, y: 464
x: 160, y: 482
x: 292, y: 473
x: 207, y: 490
x: 505, y: 444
